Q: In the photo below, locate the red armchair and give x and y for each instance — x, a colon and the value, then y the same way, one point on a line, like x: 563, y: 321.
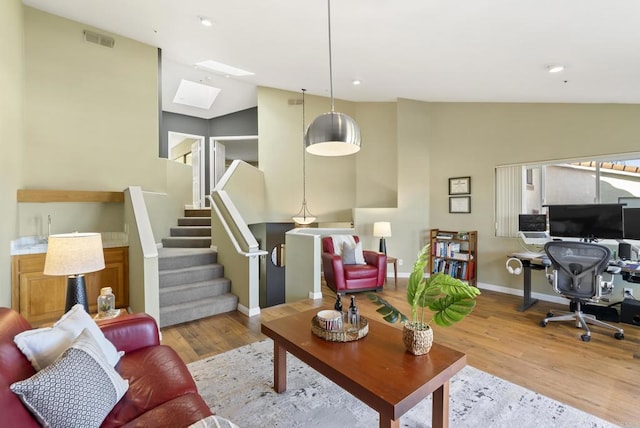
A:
x: 346, y: 278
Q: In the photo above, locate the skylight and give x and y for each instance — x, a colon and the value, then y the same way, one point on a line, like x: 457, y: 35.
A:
x: 223, y: 68
x: 195, y: 94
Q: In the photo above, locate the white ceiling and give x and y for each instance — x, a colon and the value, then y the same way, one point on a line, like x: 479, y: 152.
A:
x: 429, y: 50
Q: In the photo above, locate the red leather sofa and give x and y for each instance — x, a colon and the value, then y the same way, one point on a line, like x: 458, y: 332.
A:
x: 161, y: 391
x: 343, y: 278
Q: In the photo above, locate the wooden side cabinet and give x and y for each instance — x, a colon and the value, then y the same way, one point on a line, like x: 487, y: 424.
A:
x: 41, y: 298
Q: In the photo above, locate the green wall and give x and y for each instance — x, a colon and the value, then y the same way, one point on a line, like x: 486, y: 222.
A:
x: 11, y: 121
x: 76, y: 116
x: 473, y: 138
x: 91, y: 111
x: 415, y: 147
x: 90, y: 122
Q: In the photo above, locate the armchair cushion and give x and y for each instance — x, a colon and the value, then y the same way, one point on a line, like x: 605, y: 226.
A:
x: 78, y: 389
x: 156, y: 376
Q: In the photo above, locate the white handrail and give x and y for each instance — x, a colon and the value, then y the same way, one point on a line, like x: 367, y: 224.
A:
x: 243, y: 229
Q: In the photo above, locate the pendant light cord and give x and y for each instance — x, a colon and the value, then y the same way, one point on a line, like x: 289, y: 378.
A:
x: 304, y: 165
x: 330, y: 60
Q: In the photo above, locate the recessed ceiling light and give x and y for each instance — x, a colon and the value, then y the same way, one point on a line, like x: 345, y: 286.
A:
x: 356, y: 82
x: 223, y: 68
x: 555, y: 68
x: 206, y: 21
x: 195, y: 94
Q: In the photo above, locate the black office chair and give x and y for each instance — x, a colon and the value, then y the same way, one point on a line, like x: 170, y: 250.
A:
x: 577, y: 275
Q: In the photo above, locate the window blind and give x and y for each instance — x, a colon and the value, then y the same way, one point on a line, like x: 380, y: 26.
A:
x: 508, y: 199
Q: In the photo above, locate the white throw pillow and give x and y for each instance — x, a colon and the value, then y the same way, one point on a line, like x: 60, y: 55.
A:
x: 79, y: 389
x: 352, y: 254
x: 42, y: 346
x: 339, y: 241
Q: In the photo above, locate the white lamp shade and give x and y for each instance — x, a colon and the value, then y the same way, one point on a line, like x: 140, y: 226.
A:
x: 304, y: 220
x: 382, y: 229
x: 333, y: 134
x: 74, y: 254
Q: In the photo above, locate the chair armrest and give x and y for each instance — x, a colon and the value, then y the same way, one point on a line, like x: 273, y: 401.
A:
x: 379, y: 260
x: 333, y: 270
x: 131, y: 332
x: 375, y: 258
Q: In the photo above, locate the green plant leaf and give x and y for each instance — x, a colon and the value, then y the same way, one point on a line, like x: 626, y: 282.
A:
x: 387, y: 310
x: 391, y: 318
x: 454, y: 287
x: 450, y: 299
x: 417, y: 284
x: 449, y: 310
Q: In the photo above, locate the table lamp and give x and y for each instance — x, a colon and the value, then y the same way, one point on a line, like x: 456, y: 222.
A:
x: 74, y: 254
x: 382, y: 229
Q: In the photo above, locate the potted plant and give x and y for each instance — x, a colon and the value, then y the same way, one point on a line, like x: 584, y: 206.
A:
x: 448, y: 299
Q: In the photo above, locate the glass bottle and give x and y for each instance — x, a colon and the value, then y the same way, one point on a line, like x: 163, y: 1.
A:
x: 106, y: 303
x: 338, y: 305
x: 354, y: 315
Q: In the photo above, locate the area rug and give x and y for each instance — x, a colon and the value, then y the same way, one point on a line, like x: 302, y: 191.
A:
x: 238, y: 385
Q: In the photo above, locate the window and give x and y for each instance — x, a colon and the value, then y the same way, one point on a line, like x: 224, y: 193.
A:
x: 526, y: 189
x: 530, y: 177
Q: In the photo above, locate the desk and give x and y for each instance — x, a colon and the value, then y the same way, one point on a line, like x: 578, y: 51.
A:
x: 394, y: 261
x: 530, y: 261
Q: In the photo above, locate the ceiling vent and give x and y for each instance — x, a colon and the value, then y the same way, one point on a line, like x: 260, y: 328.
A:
x: 98, y: 39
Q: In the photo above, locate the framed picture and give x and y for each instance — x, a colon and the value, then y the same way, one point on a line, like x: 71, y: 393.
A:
x: 460, y: 186
x: 460, y: 204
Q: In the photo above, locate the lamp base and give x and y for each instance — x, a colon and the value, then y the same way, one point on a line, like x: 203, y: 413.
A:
x: 76, y: 293
x: 383, y: 246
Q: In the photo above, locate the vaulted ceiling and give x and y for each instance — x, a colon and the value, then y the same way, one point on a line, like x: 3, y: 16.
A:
x: 429, y: 50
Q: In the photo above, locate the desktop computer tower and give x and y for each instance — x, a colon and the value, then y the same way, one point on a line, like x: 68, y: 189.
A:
x: 630, y: 311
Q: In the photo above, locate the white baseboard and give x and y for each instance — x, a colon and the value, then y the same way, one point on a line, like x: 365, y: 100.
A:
x: 520, y: 292
x: 315, y: 295
x: 505, y: 290
x: 248, y: 312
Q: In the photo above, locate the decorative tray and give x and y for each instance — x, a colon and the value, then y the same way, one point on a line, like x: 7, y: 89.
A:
x: 346, y: 334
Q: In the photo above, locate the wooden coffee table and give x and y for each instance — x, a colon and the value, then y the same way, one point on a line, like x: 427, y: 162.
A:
x: 375, y: 369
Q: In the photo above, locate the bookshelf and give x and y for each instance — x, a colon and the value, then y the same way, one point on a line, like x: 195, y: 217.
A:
x: 455, y: 253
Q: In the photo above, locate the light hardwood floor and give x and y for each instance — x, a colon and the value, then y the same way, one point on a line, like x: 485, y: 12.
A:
x: 601, y: 377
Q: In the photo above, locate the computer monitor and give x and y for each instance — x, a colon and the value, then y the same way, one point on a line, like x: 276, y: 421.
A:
x: 629, y: 201
x: 586, y: 221
x: 631, y: 223
x: 532, y: 222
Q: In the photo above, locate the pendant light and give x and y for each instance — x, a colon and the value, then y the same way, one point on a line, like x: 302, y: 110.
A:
x: 304, y: 216
x: 332, y: 133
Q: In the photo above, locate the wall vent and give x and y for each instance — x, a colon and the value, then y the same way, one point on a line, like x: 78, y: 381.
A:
x: 99, y: 39
x: 295, y: 102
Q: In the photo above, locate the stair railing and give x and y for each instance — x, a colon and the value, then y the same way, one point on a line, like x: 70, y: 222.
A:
x: 144, y: 287
x: 238, y: 251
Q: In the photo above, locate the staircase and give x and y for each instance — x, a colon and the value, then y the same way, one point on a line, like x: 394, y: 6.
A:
x: 192, y: 283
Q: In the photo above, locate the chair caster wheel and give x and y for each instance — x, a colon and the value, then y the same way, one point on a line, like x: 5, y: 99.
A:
x: 585, y: 338
x: 543, y: 323
x: 549, y: 314
x: 619, y: 336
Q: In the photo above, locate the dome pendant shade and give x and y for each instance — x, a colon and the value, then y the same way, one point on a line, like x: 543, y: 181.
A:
x: 304, y: 216
x: 332, y: 134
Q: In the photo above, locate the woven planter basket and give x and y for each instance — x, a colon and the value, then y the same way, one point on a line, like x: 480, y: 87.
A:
x: 417, y: 341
